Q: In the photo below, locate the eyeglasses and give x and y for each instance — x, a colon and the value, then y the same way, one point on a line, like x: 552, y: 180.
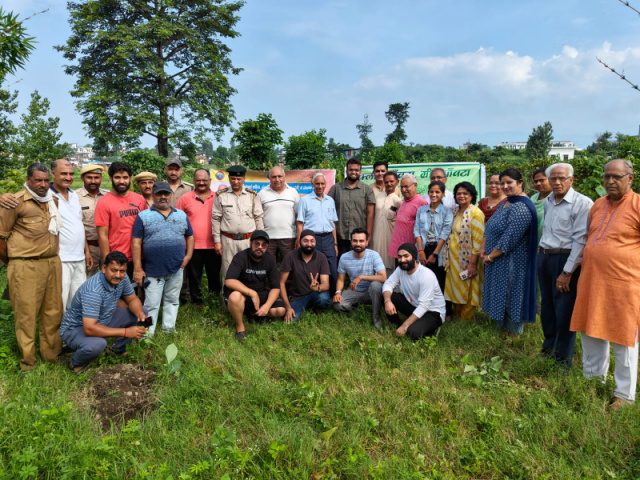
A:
x: 559, y: 179
x: 606, y: 177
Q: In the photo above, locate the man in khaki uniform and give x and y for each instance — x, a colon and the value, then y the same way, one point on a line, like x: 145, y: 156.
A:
x: 173, y: 171
x: 145, y: 182
x: 29, y: 244
x: 236, y: 214
x: 89, y: 195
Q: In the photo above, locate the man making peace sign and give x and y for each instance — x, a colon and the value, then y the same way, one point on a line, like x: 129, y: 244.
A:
x: 304, y: 276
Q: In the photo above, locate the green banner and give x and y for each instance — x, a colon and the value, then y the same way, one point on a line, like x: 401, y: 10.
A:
x: 457, y: 172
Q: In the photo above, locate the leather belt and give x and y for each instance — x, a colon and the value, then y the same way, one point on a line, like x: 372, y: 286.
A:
x: 237, y: 236
x: 93, y: 243
x: 323, y: 234
x: 554, y: 251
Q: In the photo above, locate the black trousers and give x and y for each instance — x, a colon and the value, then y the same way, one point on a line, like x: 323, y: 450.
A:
x: 343, y: 247
x: 204, y: 259
x: 441, y: 273
x: 425, y: 326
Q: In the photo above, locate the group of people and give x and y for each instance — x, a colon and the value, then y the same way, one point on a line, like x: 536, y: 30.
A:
x: 94, y: 264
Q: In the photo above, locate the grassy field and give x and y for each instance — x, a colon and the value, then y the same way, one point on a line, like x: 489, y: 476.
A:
x: 328, y: 397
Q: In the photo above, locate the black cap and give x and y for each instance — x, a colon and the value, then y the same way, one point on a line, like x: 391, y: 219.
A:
x: 260, y: 234
x: 161, y: 187
x: 237, y: 171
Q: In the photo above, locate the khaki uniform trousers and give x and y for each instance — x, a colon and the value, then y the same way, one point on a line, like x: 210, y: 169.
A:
x: 35, y: 289
x: 229, y: 249
x: 95, y: 254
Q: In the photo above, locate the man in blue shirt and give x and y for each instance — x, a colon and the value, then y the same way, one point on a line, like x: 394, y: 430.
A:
x: 94, y: 314
x: 317, y: 212
x: 367, y: 273
x: 163, y: 236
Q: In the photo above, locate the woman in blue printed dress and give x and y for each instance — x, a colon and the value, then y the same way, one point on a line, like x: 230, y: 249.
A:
x: 509, y: 256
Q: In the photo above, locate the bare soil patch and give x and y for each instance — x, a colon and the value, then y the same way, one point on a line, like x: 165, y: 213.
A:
x: 122, y: 392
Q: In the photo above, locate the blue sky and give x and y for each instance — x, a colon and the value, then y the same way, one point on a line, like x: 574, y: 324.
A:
x: 486, y: 71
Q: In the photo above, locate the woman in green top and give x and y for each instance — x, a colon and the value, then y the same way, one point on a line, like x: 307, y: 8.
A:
x: 541, y: 184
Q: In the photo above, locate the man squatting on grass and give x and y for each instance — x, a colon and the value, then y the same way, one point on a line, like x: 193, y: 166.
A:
x: 97, y: 312
x: 422, y: 301
x: 304, y: 274
x: 366, y: 271
x: 252, y: 285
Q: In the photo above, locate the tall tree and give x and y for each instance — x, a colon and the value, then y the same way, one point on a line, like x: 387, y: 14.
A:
x: 307, y: 150
x: 8, y: 106
x: 256, y: 141
x: 37, y: 135
x: 397, y: 115
x: 539, y: 142
x: 156, y: 67
x: 15, y: 45
x: 364, y: 129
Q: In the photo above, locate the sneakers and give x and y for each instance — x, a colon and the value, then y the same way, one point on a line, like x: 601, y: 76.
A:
x: 240, y: 336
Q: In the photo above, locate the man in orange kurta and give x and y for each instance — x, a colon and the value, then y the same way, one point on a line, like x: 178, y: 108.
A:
x: 607, y: 307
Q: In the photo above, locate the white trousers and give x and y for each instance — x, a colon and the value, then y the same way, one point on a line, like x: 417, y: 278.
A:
x: 595, y: 363
x: 74, y: 274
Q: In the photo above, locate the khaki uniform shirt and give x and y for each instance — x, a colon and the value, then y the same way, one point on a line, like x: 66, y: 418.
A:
x: 180, y: 190
x: 236, y: 214
x: 88, y: 204
x: 26, y: 229
x: 351, y: 204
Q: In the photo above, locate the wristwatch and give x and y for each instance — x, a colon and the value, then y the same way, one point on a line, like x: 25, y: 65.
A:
x: 434, y: 255
x: 565, y: 273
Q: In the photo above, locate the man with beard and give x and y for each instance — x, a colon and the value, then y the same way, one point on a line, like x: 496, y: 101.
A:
x: 387, y: 204
x: 88, y: 195
x: 97, y: 313
x: 355, y: 204
x: 198, y: 206
x: 421, y: 301
x: 367, y: 273
x: 252, y: 285
x: 173, y: 171
x: 160, y: 234
x: 116, y: 212
x: 29, y: 241
x: 304, y: 274
x: 145, y: 182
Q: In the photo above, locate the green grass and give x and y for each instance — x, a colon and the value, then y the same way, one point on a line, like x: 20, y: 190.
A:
x: 328, y: 395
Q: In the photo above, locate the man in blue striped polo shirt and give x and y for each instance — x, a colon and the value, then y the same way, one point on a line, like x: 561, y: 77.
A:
x: 94, y: 314
x: 162, y: 242
x: 367, y: 273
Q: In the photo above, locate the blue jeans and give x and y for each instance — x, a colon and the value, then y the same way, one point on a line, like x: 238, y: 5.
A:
x: 557, y: 308
x: 314, y: 299
x: 87, y: 348
x: 165, y: 289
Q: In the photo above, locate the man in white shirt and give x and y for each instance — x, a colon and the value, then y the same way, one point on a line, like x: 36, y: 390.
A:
x: 74, y: 250
x: 422, y: 301
x: 280, y: 205
x: 439, y: 175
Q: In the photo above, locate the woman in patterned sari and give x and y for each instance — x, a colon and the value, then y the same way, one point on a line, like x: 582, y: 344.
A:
x: 511, y: 242
x: 462, y: 253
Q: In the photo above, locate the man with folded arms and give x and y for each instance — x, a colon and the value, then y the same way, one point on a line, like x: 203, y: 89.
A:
x: 367, y: 273
x: 304, y: 275
x: 104, y: 306
x: 252, y: 286
x: 421, y: 301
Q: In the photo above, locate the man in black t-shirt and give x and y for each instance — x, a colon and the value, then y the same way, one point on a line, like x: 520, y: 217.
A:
x: 252, y: 284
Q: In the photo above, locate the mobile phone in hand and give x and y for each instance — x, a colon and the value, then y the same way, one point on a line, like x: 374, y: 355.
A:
x: 464, y: 275
x: 146, y: 324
